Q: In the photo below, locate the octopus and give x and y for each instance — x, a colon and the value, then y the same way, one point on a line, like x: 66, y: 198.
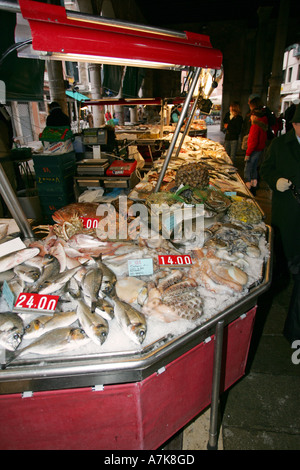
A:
x: 213, y: 272
x: 173, y: 297
x: 233, y: 240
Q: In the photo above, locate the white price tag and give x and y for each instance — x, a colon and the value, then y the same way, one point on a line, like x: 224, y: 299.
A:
x: 140, y: 267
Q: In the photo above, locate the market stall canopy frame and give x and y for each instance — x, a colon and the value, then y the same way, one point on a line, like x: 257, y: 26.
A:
x: 66, y: 35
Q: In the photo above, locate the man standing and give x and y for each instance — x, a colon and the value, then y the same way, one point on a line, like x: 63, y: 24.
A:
x: 56, y: 117
x: 281, y: 170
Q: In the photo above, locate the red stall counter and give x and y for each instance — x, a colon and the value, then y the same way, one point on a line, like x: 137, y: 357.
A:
x: 132, y: 416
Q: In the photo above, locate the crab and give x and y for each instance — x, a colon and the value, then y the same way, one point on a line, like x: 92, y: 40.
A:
x: 69, y: 219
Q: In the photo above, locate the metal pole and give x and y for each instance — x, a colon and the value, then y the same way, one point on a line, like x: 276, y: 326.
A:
x: 213, y: 429
x: 187, y: 126
x: 13, y: 205
x: 177, y: 130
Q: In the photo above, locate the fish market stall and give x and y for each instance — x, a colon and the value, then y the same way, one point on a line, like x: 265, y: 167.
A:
x: 137, y: 336
x: 112, y: 334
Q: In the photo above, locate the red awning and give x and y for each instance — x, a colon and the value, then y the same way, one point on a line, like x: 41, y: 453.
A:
x: 58, y: 31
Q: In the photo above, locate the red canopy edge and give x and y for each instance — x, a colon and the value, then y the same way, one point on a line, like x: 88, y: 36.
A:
x: 58, y: 31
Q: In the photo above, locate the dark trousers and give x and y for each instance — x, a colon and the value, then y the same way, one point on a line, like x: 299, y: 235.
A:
x: 292, y: 323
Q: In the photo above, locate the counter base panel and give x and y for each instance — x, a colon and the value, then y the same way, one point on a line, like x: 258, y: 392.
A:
x: 133, y: 416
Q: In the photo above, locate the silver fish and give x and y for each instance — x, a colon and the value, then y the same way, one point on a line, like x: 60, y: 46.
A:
x: 53, y: 285
x: 130, y: 320
x: 54, y: 342
x: 105, y: 309
x: 13, y: 259
x: 50, y: 270
x: 26, y: 273
x: 91, y: 284
x: 95, y: 326
x: 11, y: 330
x: 44, y: 323
x: 108, y: 278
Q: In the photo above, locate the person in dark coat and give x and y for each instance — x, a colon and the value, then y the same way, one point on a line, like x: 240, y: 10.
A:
x: 288, y: 116
x: 281, y: 170
x: 233, y: 122
x: 56, y: 117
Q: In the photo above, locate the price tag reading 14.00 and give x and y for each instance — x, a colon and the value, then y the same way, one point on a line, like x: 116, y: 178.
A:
x: 174, y: 260
x: 26, y: 301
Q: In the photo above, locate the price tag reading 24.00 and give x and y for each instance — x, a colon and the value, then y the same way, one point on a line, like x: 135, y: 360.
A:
x: 26, y: 301
x: 174, y: 260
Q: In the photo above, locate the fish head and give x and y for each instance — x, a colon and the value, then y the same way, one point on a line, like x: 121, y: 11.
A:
x: 101, y: 332
x: 32, y: 327
x: 11, y: 339
x: 106, y: 286
x: 139, y: 331
x: 77, y: 334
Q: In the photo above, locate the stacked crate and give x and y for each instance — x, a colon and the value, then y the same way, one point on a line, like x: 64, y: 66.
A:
x: 55, y: 181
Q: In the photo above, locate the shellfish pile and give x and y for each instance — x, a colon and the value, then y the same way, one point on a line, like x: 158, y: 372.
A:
x: 194, y: 174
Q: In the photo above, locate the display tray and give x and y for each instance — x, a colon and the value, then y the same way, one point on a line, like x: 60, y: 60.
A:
x: 115, y: 367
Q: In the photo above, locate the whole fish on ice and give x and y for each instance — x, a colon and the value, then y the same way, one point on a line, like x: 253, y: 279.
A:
x: 50, y: 269
x: 108, y: 278
x: 11, y: 330
x: 91, y: 284
x: 94, y: 325
x: 13, y: 259
x: 130, y: 320
x: 44, y: 323
x: 54, y: 342
x: 53, y: 285
x: 27, y: 273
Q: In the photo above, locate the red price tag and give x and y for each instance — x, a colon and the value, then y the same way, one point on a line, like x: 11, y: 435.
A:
x: 26, y: 300
x: 174, y: 260
x: 90, y: 222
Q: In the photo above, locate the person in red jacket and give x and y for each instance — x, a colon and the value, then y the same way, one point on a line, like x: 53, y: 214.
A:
x: 256, y: 143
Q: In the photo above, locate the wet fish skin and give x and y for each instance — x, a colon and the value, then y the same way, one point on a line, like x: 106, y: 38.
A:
x: 11, y: 330
x: 18, y: 257
x: 26, y: 273
x: 50, y: 270
x: 108, y: 278
x: 105, y: 309
x: 44, y: 323
x: 53, y: 285
x: 94, y: 325
x: 54, y: 342
x: 130, y: 320
x: 91, y: 285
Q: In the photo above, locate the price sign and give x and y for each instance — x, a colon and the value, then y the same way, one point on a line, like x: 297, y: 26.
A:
x: 90, y: 222
x: 140, y: 267
x: 174, y: 260
x: 28, y: 301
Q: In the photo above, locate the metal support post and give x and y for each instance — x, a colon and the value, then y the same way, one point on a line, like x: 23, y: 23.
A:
x: 214, y: 412
x: 187, y: 126
x: 13, y: 205
x: 178, y: 127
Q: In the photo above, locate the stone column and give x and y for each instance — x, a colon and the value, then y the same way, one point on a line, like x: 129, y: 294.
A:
x: 56, y: 83
x: 95, y: 77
